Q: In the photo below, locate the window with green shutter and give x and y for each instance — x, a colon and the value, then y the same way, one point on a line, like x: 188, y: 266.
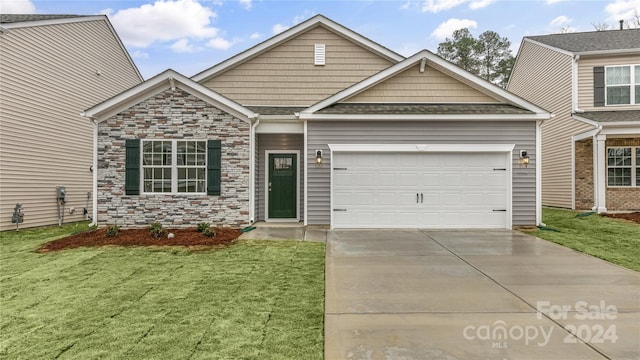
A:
x: 214, y: 167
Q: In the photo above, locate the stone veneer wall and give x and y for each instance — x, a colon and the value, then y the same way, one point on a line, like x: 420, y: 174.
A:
x: 623, y: 199
x: 173, y: 115
x: 584, y: 174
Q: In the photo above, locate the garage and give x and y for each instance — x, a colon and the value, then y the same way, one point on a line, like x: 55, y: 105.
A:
x: 421, y: 186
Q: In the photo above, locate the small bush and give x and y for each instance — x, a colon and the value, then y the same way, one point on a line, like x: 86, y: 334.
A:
x: 156, y: 230
x: 112, y: 231
x: 208, y: 232
x: 203, y: 226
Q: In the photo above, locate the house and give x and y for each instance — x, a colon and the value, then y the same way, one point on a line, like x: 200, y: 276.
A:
x: 591, y: 148
x: 53, y: 67
x: 319, y: 125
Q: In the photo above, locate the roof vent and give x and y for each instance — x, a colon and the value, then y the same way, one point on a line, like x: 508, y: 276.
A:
x: 319, y: 54
x: 621, y: 24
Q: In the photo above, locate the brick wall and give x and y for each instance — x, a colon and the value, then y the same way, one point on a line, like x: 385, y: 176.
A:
x: 623, y: 198
x: 173, y: 115
x: 584, y: 174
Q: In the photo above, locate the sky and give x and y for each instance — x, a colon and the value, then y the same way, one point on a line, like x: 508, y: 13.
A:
x: 190, y: 36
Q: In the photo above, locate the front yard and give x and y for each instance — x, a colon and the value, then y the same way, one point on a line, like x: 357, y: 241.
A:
x: 614, y: 240
x: 252, y: 300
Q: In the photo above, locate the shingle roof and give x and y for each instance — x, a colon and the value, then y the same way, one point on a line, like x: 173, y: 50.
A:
x: 593, y: 40
x: 423, y: 109
x: 14, y: 18
x: 275, y: 110
x: 612, y: 116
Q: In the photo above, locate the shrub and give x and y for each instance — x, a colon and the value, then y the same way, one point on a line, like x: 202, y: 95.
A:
x: 156, y: 230
x: 112, y: 231
x: 203, y: 226
x: 208, y: 232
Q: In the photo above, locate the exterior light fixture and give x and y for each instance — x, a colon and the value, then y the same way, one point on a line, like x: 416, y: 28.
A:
x: 319, y: 157
x: 524, y: 158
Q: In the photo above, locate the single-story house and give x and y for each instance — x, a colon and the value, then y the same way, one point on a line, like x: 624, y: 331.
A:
x: 319, y: 125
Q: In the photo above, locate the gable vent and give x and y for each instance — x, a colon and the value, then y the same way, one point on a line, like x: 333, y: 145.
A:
x: 319, y: 54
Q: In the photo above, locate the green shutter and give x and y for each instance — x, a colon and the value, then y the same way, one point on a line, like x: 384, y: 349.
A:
x: 132, y: 167
x: 214, y: 166
x: 598, y: 86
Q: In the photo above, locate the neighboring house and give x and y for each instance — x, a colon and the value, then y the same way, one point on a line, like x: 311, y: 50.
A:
x: 52, y: 67
x: 591, y: 148
x: 318, y: 125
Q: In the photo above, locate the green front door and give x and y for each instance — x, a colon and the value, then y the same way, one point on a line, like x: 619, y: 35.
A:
x: 282, y: 186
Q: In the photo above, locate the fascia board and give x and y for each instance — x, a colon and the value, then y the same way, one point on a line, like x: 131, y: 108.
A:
x: 23, y: 24
x: 418, y: 117
x: 422, y: 147
x: 291, y: 33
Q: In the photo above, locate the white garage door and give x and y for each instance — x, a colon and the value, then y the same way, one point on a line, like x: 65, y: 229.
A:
x: 420, y: 190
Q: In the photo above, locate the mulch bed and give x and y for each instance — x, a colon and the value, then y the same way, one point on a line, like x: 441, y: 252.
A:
x: 189, y: 237
x: 634, y: 216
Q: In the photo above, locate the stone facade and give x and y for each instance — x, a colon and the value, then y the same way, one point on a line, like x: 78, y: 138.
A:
x: 623, y: 199
x: 618, y: 198
x: 173, y: 115
x: 584, y: 174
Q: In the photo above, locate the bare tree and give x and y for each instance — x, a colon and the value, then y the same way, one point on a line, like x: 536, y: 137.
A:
x: 601, y: 26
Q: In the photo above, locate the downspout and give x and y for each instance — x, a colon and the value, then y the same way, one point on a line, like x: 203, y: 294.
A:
x: 94, y: 198
x: 252, y: 165
x: 539, y: 124
x: 574, y: 84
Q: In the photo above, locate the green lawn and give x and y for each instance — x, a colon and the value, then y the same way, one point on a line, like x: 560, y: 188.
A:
x: 614, y: 240
x: 253, y: 300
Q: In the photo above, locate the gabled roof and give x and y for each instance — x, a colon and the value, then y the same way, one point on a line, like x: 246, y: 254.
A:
x: 593, y: 41
x: 16, y: 18
x: 609, y: 118
x: 16, y: 21
x: 284, y: 36
x: 169, y: 79
x: 321, y: 109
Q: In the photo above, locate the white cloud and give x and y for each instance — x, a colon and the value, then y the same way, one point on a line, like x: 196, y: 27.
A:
x: 107, y: 11
x: 139, y: 55
x: 164, y: 21
x: 435, y: 6
x: 247, y: 4
x: 255, y: 36
x: 278, y: 28
x: 550, y: 2
x: 622, y: 9
x: 448, y: 27
x: 183, y: 46
x: 17, y: 7
x: 479, y: 4
x: 219, y: 43
x: 561, y: 21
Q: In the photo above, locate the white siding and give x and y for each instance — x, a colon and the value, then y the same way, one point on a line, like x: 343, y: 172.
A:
x: 320, y: 134
x: 48, y: 78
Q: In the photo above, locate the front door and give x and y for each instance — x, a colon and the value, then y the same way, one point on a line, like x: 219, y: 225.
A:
x: 282, y: 186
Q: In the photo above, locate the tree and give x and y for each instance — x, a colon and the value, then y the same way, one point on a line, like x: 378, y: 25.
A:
x: 488, y: 56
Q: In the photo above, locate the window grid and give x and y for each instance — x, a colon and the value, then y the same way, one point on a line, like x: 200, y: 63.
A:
x: 622, y: 85
x: 165, y: 173
x: 623, y: 166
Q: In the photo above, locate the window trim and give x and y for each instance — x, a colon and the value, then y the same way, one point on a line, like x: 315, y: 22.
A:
x: 632, y: 85
x: 174, y: 168
x: 635, y: 167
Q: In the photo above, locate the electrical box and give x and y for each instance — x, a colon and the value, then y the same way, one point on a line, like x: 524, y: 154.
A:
x: 18, y: 216
x: 61, y: 194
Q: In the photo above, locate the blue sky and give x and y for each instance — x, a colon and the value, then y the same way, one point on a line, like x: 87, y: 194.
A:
x: 192, y: 35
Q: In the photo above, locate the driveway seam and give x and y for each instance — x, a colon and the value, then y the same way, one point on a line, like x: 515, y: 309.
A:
x: 514, y: 294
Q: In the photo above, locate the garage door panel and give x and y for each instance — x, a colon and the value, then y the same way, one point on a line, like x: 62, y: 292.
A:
x: 459, y: 190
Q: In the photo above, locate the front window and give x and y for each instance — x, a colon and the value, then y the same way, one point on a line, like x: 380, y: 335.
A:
x: 174, y: 166
x: 623, y: 166
x: 622, y: 84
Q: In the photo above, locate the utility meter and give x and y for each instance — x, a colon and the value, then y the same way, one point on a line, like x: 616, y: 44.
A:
x: 61, y: 194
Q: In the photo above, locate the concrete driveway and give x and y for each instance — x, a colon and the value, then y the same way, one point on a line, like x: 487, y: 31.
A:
x: 421, y: 294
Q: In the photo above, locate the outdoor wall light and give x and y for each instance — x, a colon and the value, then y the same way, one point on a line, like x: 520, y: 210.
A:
x: 524, y: 158
x: 318, y: 157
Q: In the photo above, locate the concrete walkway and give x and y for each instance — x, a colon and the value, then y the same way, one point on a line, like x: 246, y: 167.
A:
x: 414, y: 294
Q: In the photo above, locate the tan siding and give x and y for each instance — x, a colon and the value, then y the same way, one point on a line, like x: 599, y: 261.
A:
x: 585, y: 79
x: 48, y: 78
x: 286, y: 75
x: 411, y: 86
x: 543, y: 77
